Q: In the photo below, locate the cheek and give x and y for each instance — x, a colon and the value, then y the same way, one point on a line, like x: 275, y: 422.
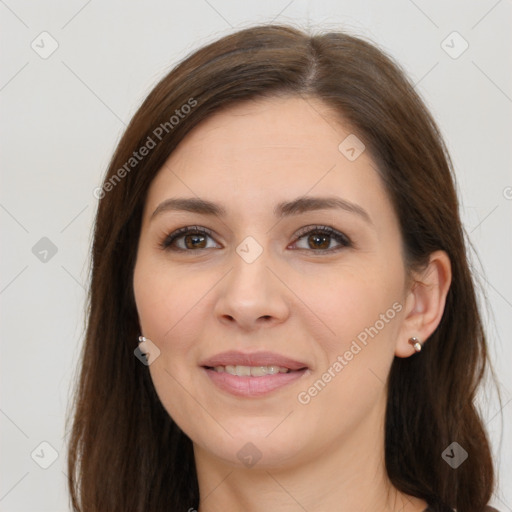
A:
x: 364, y: 312
x: 150, y: 300
x: 168, y: 306
x: 172, y: 304
x: 352, y: 302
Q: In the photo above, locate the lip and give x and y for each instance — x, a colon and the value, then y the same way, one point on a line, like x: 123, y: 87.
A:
x: 249, y: 386
x: 234, y: 358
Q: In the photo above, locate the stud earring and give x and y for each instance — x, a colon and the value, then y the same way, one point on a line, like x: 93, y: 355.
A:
x: 416, y: 343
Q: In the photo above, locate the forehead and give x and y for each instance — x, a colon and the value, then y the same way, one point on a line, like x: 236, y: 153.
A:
x: 268, y: 150
x: 266, y: 127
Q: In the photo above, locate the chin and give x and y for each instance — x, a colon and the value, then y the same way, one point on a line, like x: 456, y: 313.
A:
x: 253, y: 446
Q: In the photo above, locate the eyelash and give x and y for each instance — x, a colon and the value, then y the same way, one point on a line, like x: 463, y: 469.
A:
x: 339, y: 237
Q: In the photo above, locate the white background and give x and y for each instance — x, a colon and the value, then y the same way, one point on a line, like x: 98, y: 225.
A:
x: 62, y: 116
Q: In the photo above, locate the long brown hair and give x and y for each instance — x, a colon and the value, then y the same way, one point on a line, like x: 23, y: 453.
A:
x: 125, y: 452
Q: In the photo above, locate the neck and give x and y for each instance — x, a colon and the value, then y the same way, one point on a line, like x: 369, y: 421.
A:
x: 348, y: 477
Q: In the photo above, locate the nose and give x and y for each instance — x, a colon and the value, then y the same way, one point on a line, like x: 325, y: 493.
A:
x: 252, y: 295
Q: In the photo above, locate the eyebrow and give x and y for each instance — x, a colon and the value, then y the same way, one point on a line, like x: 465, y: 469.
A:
x: 284, y: 209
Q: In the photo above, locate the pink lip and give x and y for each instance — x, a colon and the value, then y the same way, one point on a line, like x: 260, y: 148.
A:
x: 252, y: 386
x: 248, y: 386
x: 234, y: 358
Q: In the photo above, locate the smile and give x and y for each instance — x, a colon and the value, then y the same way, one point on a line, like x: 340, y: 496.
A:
x: 252, y: 375
x: 251, y: 371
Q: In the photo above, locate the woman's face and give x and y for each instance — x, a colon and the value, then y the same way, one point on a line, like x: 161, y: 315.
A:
x: 277, y: 317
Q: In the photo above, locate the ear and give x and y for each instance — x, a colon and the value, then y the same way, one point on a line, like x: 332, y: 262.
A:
x: 424, y: 303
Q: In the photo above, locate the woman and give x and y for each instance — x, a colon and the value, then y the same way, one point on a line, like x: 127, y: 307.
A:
x: 279, y: 228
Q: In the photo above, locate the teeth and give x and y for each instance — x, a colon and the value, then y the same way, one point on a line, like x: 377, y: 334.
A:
x: 251, y: 371
x: 243, y: 371
x: 259, y: 371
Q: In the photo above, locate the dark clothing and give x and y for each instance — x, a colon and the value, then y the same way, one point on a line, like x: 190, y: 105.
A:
x: 487, y: 509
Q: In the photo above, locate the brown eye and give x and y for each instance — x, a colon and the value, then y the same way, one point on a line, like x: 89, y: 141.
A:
x: 320, y: 238
x: 317, y: 241
x: 195, y: 241
x: 188, y: 239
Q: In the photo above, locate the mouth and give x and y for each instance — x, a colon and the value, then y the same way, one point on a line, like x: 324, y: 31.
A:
x: 250, y: 371
x: 252, y: 375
